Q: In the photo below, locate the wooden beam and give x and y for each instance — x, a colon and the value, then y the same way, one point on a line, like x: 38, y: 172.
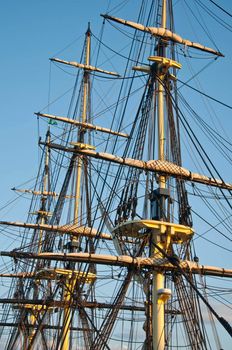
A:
x: 163, y: 33
x: 85, y: 304
x: 84, y: 125
x: 65, y: 229
x: 43, y: 326
x: 164, y: 168
x: 123, y: 260
x: 84, y: 66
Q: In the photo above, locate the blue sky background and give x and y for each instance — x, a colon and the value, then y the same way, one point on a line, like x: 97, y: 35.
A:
x: 31, y: 32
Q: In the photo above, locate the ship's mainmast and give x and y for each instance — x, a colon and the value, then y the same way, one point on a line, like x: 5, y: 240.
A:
x: 164, y: 234
x: 159, y: 294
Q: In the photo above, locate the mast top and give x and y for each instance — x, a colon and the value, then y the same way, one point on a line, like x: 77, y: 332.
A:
x: 88, y: 32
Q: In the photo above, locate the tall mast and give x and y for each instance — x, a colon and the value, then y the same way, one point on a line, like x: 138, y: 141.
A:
x: 71, y: 282
x: 158, y: 277
x: 83, y: 119
x: 43, y: 220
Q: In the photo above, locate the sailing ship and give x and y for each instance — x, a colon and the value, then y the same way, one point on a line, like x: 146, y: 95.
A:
x: 108, y: 254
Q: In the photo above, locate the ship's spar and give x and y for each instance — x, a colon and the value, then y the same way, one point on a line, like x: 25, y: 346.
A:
x: 157, y: 232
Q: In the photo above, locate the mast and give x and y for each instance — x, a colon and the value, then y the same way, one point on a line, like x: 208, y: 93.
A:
x: 158, y: 299
x: 83, y: 120
x: 74, y: 244
x: 42, y: 220
x: 45, y: 188
x: 162, y: 240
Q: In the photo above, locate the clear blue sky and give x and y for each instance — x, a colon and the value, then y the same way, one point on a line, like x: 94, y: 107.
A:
x: 31, y: 32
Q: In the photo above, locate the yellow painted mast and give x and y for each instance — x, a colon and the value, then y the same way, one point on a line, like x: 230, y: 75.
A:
x: 45, y: 190
x: 83, y: 120
x: 158, y: 297
x: 71, y: 282
x: 42, y: 213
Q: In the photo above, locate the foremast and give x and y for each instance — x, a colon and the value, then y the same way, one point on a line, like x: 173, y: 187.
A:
x: 167, y: 233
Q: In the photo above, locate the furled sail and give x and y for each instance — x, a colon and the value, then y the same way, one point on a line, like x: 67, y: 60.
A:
x: 158, y: 166
x: 165, y: 34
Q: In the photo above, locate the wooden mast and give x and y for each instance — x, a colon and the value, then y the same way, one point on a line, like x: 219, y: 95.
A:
x: 45, y: 189
x: 83, y: 120
x: 158, y: 300
x: 71, y: 283
x: 42, y: 215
